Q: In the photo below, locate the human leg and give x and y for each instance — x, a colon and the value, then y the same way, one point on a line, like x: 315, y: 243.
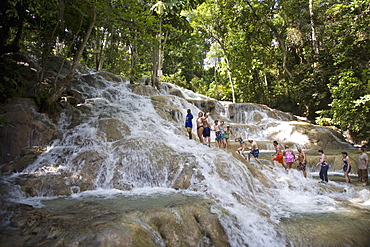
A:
x: 365, y: 176
x: 359, y: 173
x: 280, y: 158
x: 272, y: 162
x: 324, y: 173
x: 321, y: 174
x: 189, y: 129
x: 348, y: 180
x: 289, y: 164
x: 200, y: 132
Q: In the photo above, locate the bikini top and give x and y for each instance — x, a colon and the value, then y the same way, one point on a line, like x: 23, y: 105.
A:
x: 345, y: 161
x: 323, y: 163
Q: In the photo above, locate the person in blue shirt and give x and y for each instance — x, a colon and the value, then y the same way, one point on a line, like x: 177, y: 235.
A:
x: 189, y: 123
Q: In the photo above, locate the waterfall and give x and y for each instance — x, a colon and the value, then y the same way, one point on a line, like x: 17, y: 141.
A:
x: 117, y: 139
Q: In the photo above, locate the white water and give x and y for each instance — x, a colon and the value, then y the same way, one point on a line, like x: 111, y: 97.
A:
x: 254, y: 210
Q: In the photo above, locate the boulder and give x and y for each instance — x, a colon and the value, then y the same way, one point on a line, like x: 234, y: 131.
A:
x: 88, y: 223
x: 28, y: 128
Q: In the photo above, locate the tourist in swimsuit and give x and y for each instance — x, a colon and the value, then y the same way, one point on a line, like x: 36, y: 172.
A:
x: 278, y: 155
x: 200, y: 127
x: 242, y: 147
x: 217, y: 130
x: 323, y: 161
x: 289, y: 157
x: 227, y: 133
x: 254, y: 151
x: 222, y: 129
x: 346, y: 166
x: 302, y: 161
x: 206, y: 130
x: 189, y: 123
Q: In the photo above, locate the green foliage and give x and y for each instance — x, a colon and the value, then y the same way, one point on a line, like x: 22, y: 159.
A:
x: 351, y: 104
x: 265, y: 48
x: 176, y: 79
x: 11, y: 84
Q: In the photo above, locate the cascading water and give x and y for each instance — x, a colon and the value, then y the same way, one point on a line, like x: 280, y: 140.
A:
x: 132, y: 144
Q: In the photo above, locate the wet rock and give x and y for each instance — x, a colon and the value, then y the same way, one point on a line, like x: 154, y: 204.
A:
x: 113, y: 129
x: 205, y: 105
x: 143, y: 90
x: 27, y: 156
x: 110, y: 76
x: 88, y: 223
x: 29, y: 128
x: 176, y: 92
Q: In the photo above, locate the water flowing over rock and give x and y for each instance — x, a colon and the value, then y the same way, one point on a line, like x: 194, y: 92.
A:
x: 117, y: 169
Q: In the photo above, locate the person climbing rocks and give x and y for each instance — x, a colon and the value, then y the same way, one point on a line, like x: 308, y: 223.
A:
x: 254, y: 151
x: 278, y: 155
x: 302, y: 162
x: 289, y: 157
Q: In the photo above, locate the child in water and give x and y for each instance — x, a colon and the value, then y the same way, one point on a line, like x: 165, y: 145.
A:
x: 242, y: 146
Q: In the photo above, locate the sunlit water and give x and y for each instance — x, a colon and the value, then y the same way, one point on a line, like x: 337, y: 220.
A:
x: 258, y: 214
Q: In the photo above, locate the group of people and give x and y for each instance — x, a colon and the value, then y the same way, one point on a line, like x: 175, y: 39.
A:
x: 254, y: 150
x: 363, y: 163
x: 204, y: 129
x: 222, y: 140
x: 289, y: 158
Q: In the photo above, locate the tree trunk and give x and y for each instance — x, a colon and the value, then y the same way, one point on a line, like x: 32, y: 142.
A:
x: 228, y: 69
x: 230, y: 79
x: 158, y: 57
x: 315, y: 44
x: 61, y: 86
x: 215, y: 75
x: 102, y: 53
x: 134, y: 55
x: 155, y: 67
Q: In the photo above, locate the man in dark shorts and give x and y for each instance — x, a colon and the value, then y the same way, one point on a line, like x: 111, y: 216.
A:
x: 302, y: 161
x: 206, y: 130
x: 217, y: 130
x: 254, y: 151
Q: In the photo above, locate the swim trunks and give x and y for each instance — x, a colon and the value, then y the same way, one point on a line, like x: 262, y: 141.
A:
x: 206, y: 132
x: 255, y: 153
x: 302, y: 166
x: 218, y: 136
x: 279, y: 158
